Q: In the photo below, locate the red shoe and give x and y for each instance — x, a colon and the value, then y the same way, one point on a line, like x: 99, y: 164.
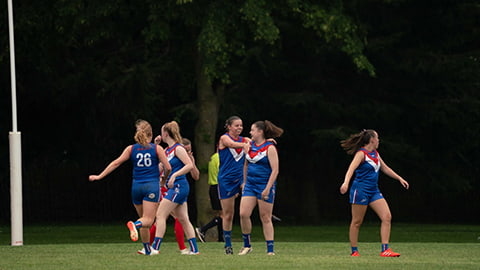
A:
x: 355, y: 254
x: 133, y: 231
x: 389, y: 253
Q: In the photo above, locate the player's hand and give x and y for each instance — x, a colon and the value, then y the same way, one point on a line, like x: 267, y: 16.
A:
x: 158, y: 139
x: 92, y: 178
x: 265, y: 194
x: 343, y: 188
x: 246, y: 148
x: 171, y: 182
x: 404, y: 183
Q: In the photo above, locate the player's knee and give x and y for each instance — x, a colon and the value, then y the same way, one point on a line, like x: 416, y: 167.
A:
x: 356, y: 223
x: 266, y: 218
x: 386, y: 217
x: 147, y: 222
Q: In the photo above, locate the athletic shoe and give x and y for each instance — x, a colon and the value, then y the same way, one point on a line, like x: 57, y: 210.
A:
x: 389, y: 253
x: 200, y: 235
x: 193, y: 253
x: 152, y: 251
x: 229, y: 250
x: 355, y: 254
x: 245, y: 250
x: 271, y: 253
x: 133, y: 231
x: 184, y: 251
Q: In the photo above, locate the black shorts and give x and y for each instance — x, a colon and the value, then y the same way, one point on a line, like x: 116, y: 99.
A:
x: 214, y: 200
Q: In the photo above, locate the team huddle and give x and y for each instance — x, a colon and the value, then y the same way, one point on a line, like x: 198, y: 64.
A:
x: 248, y: 166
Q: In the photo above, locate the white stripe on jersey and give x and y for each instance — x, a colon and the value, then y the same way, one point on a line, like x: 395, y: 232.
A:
x: 236, y: 156
x: 372, y: 163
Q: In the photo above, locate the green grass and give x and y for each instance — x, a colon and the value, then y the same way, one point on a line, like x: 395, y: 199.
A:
x: 307, y: 247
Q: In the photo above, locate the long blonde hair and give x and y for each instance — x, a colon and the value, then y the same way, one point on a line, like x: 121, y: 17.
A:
x: 173, y: 130
x: 144, y: 132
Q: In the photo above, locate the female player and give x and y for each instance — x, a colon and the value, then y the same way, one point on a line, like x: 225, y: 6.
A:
x: 364, y: 191
x: 262, y: 170
x: 145, y: 158
x: 194, y: 175
x: 175, y: 200
x: 231, y: 151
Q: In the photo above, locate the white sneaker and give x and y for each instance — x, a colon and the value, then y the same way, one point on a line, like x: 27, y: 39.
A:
x: 184, y: 251
x: 152, y: 251
x: 193, y: 253
x: 271, y: 253
x: 245, y: 250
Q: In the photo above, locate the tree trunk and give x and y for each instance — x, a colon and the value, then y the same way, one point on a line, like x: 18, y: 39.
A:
x: 208, y: 106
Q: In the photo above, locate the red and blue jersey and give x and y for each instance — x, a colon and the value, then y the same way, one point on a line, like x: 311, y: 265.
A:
x: 366, y: 173
x: 231, y: 161
x: 145, y: 163
x: 175, y: 162
x: 259, y: 169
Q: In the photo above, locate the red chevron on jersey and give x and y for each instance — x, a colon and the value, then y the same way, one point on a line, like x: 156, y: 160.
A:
x: 256, y: 153
x: 372, y: 159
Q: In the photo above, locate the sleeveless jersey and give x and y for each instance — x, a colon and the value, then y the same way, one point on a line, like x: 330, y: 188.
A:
x: 231, y: 161
x: 259, y: 169
x: 367, y: 172
x: 145, y: 163
x: 175, y: 162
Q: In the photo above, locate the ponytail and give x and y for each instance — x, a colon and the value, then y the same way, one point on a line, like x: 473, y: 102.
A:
x: 269, y: 129
x: 173, y: 130
x: 144, y: 132
x: 357, y: 141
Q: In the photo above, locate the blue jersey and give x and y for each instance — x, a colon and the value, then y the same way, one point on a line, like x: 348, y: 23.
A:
x: 259, y: 169
x: 258, y: 172
x: 231, y: 162
x: 145, y: 163
x: 175, y: 162
x: 366, y: 174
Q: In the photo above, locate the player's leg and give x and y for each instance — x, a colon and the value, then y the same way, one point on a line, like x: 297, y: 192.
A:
x: 181, y: 212
x: 180, y: 235
x: 164, y: 209
x: 247, y: 204
x: 358, y: 213
x: 149, y: 210
x: 380, y: 207
x: 265, y: 210
x: 228, y: 206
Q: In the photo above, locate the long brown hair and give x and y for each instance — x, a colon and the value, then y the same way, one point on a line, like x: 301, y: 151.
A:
x: 269, y: 129
x: 357, y: 141
x: 144, y: 132
x: 173, y: 130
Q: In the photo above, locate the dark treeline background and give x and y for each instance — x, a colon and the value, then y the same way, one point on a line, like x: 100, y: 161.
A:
x: 86, y: 70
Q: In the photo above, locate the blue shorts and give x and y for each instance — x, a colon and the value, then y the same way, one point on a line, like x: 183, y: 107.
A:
x: 145, y: 191
x: 363, y: 196
x: 228, y: 188
x: 255, y: 190
x: 179, y: 193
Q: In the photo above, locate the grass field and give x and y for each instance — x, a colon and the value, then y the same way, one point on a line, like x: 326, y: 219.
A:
x: 302, y: 247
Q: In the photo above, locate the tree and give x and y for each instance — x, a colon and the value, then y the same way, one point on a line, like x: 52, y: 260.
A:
x: 221, y: 33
